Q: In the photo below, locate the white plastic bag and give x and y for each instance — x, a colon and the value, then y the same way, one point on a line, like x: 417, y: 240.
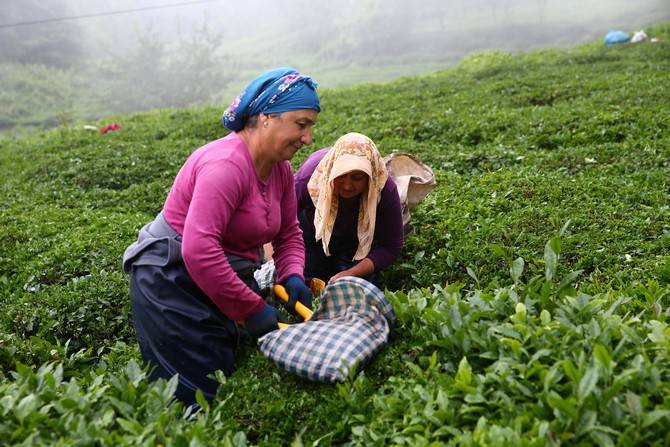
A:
x: 639, y: 36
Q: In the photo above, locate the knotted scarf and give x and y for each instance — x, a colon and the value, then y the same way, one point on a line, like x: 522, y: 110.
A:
x: 275, y: 91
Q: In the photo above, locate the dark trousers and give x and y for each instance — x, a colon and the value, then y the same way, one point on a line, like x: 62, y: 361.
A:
x: 180, y: 330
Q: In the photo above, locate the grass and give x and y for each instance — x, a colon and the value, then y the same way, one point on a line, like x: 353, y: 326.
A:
x: 532, y: 295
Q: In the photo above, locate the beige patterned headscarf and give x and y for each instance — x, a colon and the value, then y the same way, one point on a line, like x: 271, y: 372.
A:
x: 351, y: 152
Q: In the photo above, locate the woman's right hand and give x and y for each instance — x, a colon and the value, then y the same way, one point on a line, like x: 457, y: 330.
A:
x: 263, y: 322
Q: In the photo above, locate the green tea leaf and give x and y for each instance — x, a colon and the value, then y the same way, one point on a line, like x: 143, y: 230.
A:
x: 516, y: 269
x: 588, y: 383
x: 472, y: 274
x: 568, y: 279
x: 602, y: 439
x: 500, y: 251
x: 130, y: 426
x: 633, y: 403
x: 564, y: 406
x: 171, y: 387
x: 26, y: 406
x: 570, y: 370
x: 474, y: 398
x: 659, y: 331
x: 565, y: 227
x: 464, y: 373
x: 550, y: 261
x: 654, y: 416
x: 602, y: 355
x: 545, y: 317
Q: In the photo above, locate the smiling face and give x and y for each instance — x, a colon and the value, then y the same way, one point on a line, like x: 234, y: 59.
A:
x: 351, y: 184
x: 285, y: 133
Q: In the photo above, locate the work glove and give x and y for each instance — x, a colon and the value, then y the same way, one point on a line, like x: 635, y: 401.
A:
x: 297, y: 291
x: 263, y: 322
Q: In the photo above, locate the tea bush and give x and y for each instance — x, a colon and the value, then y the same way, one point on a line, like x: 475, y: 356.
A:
x: 532, y: 294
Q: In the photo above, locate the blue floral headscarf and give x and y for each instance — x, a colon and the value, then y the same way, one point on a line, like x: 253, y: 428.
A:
x: 275, y: 91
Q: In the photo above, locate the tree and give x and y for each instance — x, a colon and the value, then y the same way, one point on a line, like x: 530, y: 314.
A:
x: 157, y: 74
x: 55, y: 44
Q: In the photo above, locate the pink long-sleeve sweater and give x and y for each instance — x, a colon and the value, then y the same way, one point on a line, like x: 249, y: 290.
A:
x: 219, y: 205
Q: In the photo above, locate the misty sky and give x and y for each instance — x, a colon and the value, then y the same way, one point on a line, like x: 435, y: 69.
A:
x: 268, y: 30
x: 244, y: 18
x: 338, y: 42
x: 241, y: 19
x: 250, y: 25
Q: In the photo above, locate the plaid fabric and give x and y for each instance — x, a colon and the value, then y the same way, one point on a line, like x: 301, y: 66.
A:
x: 353, y: 322
x: 361, y: 295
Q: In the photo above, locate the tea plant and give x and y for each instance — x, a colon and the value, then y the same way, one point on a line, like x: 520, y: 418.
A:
x: 532, y: 294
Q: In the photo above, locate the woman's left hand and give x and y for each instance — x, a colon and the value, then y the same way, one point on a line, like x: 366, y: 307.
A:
x: 362, y: 270
x: 297, y: 291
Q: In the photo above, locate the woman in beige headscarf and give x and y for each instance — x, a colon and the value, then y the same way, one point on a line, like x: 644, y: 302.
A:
x: 349, y: 211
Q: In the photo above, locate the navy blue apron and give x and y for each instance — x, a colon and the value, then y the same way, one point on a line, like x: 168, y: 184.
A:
x: 179, y: 328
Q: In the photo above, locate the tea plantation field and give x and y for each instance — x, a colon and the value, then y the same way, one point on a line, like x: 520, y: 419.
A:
x: 533, y: 294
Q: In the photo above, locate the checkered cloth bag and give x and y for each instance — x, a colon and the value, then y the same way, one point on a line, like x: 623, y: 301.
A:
x: 352, y: 323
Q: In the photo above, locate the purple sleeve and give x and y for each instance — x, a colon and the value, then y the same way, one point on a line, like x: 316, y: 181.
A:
x: 389, y: 236
x: 288, y: 246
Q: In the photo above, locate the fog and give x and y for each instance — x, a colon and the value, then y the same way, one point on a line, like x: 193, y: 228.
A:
x: 141, y: 54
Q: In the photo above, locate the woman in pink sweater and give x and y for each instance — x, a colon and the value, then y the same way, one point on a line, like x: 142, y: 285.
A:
x: 192, y: 267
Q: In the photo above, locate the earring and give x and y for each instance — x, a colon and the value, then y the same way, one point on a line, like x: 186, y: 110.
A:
x: 265, y: 124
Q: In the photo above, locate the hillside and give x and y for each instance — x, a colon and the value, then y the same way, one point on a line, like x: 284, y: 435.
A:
x: 533, y: 294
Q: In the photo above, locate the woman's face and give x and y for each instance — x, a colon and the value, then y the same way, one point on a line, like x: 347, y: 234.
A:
x: 284, y: 134
x: 351, y: 184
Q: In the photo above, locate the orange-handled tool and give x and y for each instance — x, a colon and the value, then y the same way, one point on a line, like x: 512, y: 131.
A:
x: 317, y: 285
x: 303, y: 311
